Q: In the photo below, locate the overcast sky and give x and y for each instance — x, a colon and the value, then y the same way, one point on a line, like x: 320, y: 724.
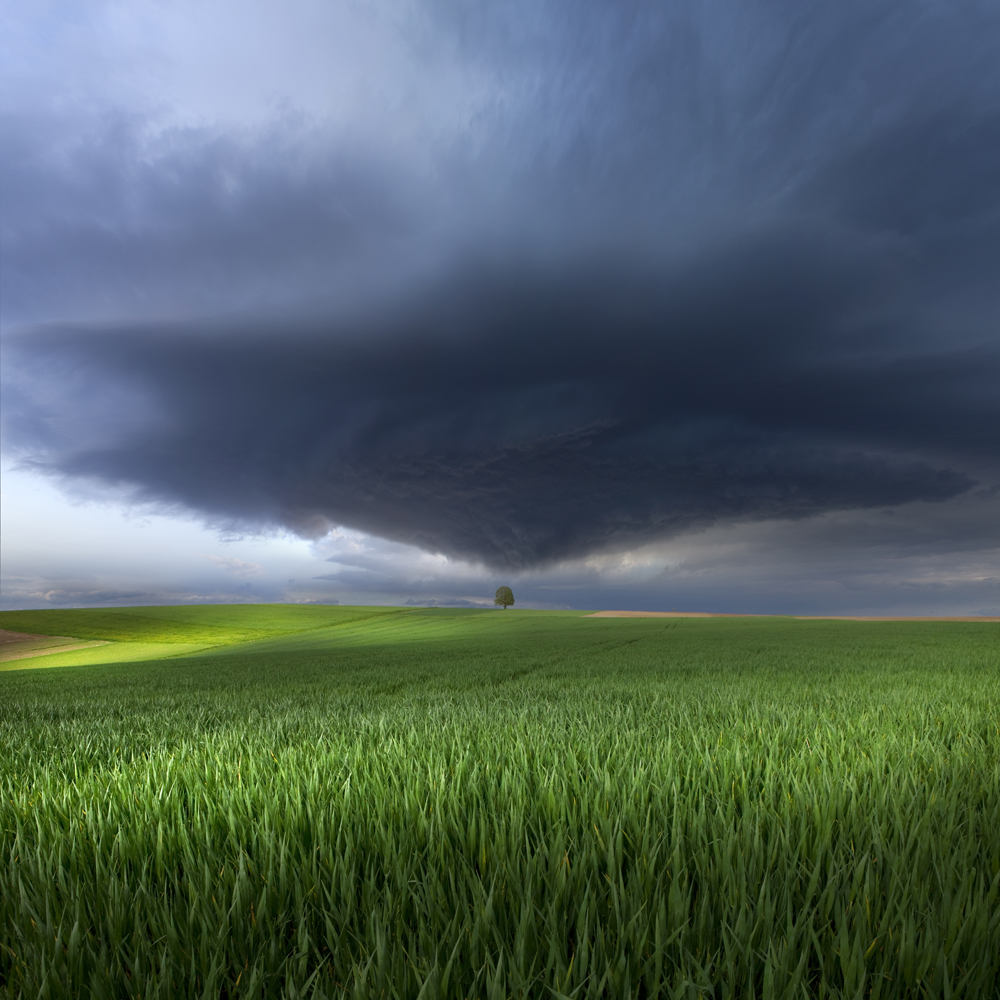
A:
x: 690, y: 304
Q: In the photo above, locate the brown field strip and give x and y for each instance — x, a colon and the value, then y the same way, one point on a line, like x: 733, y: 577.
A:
x: 22, y: 645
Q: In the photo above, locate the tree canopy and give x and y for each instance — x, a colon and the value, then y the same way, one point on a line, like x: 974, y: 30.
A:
x: 504, y: 597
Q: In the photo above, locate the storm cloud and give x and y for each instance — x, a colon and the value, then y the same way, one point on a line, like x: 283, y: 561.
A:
x: 528, y: 417
x: 588, y: 277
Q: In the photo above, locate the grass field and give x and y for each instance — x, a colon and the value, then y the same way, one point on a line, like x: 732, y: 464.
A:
x: 371, y: 802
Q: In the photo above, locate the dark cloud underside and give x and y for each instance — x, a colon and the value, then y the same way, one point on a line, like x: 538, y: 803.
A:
x: 678, y: 267
x: 523, y: 417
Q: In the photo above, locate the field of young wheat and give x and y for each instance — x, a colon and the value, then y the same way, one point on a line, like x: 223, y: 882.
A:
x: 337, y: 802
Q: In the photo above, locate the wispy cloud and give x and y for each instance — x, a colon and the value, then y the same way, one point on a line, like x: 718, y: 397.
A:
x: 238, y: 567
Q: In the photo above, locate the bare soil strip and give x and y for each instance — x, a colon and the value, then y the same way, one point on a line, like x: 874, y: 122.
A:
x: 659, y: 614
x: 835, y: 618
x: 21, y: 645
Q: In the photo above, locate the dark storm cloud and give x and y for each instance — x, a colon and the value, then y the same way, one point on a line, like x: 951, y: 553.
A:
x: 526, y: 416
x: 688, y: 264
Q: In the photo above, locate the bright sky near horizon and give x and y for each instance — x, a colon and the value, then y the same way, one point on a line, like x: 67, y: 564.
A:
x: 637, y: 305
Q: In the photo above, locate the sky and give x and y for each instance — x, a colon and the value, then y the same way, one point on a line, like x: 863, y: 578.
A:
x: 689, y: 304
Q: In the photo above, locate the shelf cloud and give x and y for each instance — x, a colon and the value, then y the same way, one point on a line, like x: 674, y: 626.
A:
x: 577, y: 280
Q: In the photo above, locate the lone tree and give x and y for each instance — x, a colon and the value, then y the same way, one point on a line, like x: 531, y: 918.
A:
x: 504, y: 597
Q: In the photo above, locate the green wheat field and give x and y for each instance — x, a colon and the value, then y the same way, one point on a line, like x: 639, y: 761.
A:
x: 277, y: 801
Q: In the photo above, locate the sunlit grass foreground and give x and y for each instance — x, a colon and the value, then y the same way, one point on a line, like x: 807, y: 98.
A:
x: 376, y: 803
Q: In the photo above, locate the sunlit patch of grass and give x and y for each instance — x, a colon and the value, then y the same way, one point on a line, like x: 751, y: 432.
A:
x: 117, y: 652
x: 152, y: 633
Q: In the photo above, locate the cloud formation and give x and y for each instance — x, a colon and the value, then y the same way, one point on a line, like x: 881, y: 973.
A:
x: 608, y: 275
x: 238, y: 567
x: 497, y: 420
